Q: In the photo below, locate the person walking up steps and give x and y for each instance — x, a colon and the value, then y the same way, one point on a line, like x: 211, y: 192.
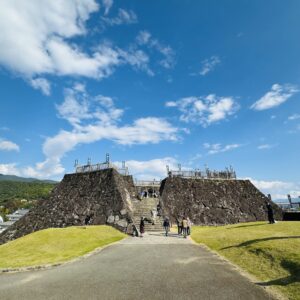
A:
x: 184, y: 226
x: 166, y: 226
x: 142, y: 226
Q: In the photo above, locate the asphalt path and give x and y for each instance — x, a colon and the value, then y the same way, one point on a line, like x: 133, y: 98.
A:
x: 152, y: 267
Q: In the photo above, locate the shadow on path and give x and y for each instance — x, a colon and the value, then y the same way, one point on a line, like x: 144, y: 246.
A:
x: 250, y: 242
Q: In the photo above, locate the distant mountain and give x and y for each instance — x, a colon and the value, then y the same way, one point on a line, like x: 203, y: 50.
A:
x: 23, y: 179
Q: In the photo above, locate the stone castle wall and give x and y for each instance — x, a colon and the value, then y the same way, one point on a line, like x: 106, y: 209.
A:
x: 102, y: 193
x: 107, y: 196
x: 129, y: 184
x: 212, y: 202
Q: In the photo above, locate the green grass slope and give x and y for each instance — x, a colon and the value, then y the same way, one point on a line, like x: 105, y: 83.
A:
x: 269, y: 252
x: 56, y: 245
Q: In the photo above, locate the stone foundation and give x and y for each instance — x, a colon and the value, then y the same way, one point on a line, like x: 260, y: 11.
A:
x: 214, y: 202
x: 103, y: 194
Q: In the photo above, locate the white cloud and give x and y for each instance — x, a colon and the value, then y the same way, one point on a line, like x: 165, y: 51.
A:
x: 8, y: 146
x: 265, y: 146
x: 41, y: 170
x: 107, y: 5
x: 276, y: 96
x: 44, y: 32
x: 278, y: 189
x: 205, y: 110
x: 150, y: 169
x: 138, y: 59
x: 41, y: 84
x: 144, y: 38
x: 218, y: 148
x: 123, y: 17
x: 209, y: 64
x: 68, y: 60
x: 94, y: 119
x: 30, y: 28
x: 142, y: 170
x: 9, y: 169
x: 294, y: 117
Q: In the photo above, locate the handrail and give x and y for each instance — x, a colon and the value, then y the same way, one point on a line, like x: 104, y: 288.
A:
x: 203, y: 174
x: 101, y: 166
x: 147, y: 183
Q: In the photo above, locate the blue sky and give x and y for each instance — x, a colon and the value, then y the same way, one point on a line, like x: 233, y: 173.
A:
x: 152, y: 83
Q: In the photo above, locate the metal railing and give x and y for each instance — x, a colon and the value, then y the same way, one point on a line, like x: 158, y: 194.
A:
x: 123, y: 171
x: 96, y: 167
x: 102, y: 166
x: 203, y: 174
x: 155, y: 183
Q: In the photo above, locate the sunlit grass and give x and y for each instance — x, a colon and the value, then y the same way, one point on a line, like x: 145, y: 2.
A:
x: 56, y: 245
x: 270, y: 252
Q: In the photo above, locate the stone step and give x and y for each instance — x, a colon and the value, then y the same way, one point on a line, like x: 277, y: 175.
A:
x: 143, y: 208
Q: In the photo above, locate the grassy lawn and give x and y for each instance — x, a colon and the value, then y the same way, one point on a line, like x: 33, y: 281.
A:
x: 56, y: 245
x: 270, y: 252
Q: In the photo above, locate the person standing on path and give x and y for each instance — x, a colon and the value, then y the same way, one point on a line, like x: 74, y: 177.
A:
x: 166, y: 226
x: 142, y: 226
x: 184, y: 226
x: 270, y: 214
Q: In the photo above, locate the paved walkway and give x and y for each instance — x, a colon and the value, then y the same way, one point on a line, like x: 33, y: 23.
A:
x: 152, y: 267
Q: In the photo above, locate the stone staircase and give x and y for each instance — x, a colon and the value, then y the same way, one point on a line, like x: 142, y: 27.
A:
x: 143, y: 208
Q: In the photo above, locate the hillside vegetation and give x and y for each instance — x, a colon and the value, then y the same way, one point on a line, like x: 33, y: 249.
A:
x: 23, y: 179
x: 12, y: 192
x: 56, y: 245
x: 269, y: 252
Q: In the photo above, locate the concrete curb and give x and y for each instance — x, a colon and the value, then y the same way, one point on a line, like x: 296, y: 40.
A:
x: 50, y: 266
x: 271, y: 291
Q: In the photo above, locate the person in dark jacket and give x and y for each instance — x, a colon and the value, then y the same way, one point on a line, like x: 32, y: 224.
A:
x: 158, y: 208
x: 142, y: 227
x: 87, y: 220
x: 166, y: 225
x: 270, y: 214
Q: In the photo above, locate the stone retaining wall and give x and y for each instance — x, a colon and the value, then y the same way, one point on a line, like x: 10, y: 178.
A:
x: 103, y: 194
x: 213, y: 202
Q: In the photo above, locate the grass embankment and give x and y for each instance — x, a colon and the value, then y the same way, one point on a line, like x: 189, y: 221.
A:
x: 56, y: 245
x: 269, y: 252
